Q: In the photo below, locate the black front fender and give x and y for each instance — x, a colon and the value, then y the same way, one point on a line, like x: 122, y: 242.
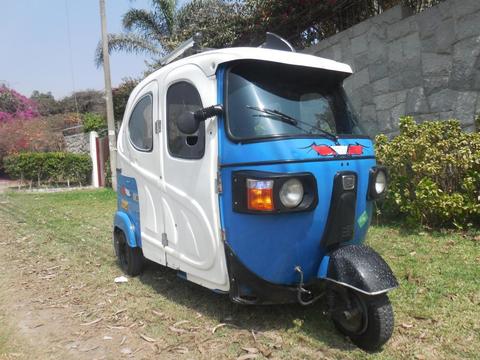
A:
x: 358, y: 267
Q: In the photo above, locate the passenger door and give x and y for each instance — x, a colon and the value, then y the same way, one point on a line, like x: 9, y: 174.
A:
x: 141, y: 145
x: 190, y: 168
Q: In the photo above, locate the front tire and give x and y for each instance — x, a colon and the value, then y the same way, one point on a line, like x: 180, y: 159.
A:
x: 367, y: 320
x: 130, y: 258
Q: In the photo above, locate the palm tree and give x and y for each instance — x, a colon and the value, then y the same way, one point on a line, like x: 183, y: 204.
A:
x: 145, y: 32
x: 160, y: 30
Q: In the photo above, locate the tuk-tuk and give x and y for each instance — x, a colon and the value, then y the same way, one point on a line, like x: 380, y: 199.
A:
x: 247, y: 171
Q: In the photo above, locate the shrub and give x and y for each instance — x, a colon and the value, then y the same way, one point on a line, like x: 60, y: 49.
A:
x: 434, y: 174
x: 49, y: 167
x: 39, y: 134
x: 93, y: 122
x: 14, y: 105
x: 120, y: 96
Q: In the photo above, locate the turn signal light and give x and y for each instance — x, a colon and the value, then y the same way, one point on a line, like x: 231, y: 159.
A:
x: 260, y: 195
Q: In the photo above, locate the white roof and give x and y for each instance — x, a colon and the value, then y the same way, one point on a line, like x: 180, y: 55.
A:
x: 209, y: 61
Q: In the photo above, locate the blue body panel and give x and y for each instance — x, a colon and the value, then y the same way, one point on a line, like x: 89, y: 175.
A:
x: 272, y: 245
x: 127, y: 217
x: 124, y: 223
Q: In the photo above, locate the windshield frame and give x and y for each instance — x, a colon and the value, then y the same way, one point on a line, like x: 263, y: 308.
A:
x: 255, y: 139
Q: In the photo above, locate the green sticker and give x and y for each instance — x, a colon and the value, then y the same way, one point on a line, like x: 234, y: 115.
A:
x: 362, y: 220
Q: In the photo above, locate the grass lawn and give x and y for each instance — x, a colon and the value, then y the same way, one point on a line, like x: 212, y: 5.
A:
x: 61, y: 243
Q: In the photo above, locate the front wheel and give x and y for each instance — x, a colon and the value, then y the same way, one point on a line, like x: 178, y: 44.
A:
x: 366, y: 319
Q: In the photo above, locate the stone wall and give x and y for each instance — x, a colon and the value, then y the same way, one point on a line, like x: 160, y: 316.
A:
x: 78, y: 143
x: 426, y: 65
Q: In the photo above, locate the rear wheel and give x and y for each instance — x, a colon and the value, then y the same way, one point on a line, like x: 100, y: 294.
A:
x: 366, y: 319
x: 129, y: 258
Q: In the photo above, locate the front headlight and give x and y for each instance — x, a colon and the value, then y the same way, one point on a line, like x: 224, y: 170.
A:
x: 262, y: 192
x: 291, y: 193
x: 377, y: 186
x: 380, y: 182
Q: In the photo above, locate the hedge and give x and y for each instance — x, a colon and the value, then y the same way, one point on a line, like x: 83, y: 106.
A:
x: 434, y: 174
x: 49, y: 167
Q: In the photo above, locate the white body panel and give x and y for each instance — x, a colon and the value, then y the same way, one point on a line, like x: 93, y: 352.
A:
x: 178, y: 197
x: 146, y: 168
x: 192, y: 220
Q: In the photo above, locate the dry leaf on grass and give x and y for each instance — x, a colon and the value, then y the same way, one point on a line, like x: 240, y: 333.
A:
x: 146, y: 338
x: 119, y: 312
x: 158, y: 313
x: 89, y: 349
x: 115, y: 327
x: 248, y: 357
x: 181, y: 323
x: 92, y: 322
x: 180, y: 349
x: 177, y: 330
x: 250, y: 350
x: 266, y: 352
x: 216, y: 327
x: 407, y: 326
x: 123, y: 340
x: 126, y: 351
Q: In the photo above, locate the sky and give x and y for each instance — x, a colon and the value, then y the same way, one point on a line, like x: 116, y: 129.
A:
x: 35, y: 51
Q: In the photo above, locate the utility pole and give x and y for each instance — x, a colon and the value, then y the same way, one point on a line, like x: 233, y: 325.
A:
x: 112, y: 143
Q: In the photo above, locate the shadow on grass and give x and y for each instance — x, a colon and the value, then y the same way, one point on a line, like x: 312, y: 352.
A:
x: 313, y: 321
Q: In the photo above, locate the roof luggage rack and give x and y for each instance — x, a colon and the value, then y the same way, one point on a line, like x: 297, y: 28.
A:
x: 189, y: 47
x: 194, y: 46
x: 275, y: 42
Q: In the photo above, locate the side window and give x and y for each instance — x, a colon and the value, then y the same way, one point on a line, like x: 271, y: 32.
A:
x: 181, y: 97
x: 140, y: 125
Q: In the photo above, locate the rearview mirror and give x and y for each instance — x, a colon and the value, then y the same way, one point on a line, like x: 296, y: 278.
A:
x: 189, y: 122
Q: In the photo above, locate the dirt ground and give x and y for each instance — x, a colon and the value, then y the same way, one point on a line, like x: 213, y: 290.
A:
x: 43, y: 318
x: 53, y: 305
x: 58, y: 298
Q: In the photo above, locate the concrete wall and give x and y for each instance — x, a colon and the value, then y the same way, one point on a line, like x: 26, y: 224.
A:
x: 78, y: 143
x: 426, y: 65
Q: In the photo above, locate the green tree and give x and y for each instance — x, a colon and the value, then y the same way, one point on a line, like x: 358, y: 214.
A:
x: 85, y: 101
x: 46, y: 103
x: 120, y: 97
x: 158, y: 31
x: 93, y: 122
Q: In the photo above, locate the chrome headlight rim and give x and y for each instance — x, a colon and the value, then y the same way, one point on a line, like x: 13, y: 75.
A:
x: 291, y: 193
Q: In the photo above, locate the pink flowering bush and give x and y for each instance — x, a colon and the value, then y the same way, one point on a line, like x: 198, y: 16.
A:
x: 15, y: 106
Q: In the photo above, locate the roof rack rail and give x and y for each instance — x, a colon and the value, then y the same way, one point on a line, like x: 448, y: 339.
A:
x: 187, y: 48
x: 194, y: 46
x: 275, y: 42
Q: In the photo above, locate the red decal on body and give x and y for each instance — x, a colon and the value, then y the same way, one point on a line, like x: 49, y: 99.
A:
x: 336, y: 150
x: 323, y: 150
x: 355, y: 150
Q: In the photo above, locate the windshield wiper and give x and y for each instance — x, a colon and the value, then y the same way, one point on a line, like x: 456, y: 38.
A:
x: 276, y: 114
x: 292, y: 121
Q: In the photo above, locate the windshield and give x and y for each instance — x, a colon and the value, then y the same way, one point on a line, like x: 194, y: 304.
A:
x: 274, y: 100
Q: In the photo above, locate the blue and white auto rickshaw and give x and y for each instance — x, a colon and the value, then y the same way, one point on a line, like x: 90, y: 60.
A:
x: 245, y: 170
